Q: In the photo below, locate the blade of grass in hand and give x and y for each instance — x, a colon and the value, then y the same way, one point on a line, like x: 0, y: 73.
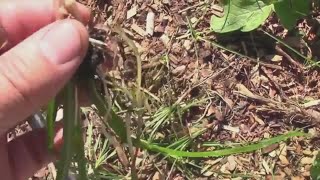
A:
x: 222, y: 152
x: 70, y: 115
x: 80, y: 157
x: 51, y: 116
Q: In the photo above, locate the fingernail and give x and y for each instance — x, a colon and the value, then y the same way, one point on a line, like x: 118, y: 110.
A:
x: 62, y: 43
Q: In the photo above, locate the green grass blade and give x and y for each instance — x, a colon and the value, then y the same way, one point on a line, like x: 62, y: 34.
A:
x: 222, y: 152
x: 69, y: 119
x: 51, y: 117
x: 115, y: 122
x: 80, y: 156
x: 315, y: 170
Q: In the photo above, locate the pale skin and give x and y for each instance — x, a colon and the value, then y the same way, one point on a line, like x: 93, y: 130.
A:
x: 40, y: 56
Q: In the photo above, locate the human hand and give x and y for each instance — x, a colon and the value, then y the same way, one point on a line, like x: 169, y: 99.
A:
x: 40, y: 56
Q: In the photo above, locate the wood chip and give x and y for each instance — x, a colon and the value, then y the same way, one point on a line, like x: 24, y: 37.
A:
x: 266, y: 167
x: 245, y: 91
x: 274, y: 58
x: 132, y: 12
x: 211, y: 111
x: 156, y: 176
x: 179, y: 69
x: 217, y: 8
x: 150, y: 23
x: 193, y: 20
x: 283, y: 160
x: 307, y: 152
x: 233, y: 129
x: 311, y: 103
x: 256, y: 118
x: 297, y: 178
x: 306, y: 160
x: 187, y: 44
x: 165, y: 39
x: 231, y: 164
x: 270, y: 148
x: 168, y: 2
x: 138, y: 30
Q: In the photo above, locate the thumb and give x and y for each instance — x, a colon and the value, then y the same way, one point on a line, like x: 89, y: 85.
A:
x: 35, y: 70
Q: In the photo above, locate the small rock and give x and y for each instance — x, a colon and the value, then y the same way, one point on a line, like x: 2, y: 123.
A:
x: 306, y: 160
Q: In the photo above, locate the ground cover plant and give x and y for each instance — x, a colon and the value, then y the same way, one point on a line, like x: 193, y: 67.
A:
x: 193, y: 90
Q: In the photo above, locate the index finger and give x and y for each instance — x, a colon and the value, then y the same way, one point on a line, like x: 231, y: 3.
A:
x: 19, y: 19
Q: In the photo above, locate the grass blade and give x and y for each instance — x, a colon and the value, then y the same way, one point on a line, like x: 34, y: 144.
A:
x: 51, y: 116
x: 80, y: 156
x: 315, y: 170
x: 69, y: 121
x: 222, y: 152
x: 115, y: 122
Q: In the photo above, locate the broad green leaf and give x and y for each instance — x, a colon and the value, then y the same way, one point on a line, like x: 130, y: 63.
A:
x: 289, y: 11
x: 315, y: 170
x: 222, y: 152
x: 244, y: 15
